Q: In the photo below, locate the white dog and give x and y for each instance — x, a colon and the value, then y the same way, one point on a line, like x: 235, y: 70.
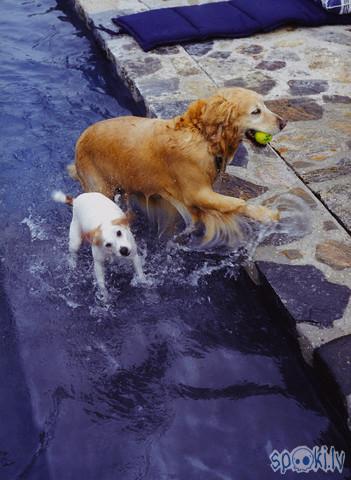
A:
x: 99, y: 220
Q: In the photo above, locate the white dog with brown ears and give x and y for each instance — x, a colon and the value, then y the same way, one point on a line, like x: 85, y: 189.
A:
x: 99, y: 220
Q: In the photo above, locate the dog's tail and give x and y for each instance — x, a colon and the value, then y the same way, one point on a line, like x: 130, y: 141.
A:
x: 221, y: 229
x: 212, y: 228
x: 61, y: 197
x: 72, y: 171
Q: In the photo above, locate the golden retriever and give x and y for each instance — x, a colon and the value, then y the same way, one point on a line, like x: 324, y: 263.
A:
x: 178, y: 159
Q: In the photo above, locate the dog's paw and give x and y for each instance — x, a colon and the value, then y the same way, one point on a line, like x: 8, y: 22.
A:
x: 102, y: 295
x: 72, y: 261
x: 262, y: 214
x: 273, y: 215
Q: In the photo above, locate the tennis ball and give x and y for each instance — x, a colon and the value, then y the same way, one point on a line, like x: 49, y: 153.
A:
x: 263, y: 138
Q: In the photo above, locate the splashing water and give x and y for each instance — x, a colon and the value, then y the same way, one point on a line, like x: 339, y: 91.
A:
x: 295, y: 222
x: 36, y: 226
x: 168, y: 259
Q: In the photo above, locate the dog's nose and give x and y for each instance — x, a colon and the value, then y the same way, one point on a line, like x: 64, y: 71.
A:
x: 282, y: 123
x: 124, y: 251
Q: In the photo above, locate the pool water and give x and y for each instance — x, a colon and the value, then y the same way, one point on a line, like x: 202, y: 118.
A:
x: 188, y: 378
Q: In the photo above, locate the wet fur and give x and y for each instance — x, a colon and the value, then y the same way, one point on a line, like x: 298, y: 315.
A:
x: 175, y: 159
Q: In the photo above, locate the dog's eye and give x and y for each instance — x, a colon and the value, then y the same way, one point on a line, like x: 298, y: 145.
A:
x: 256, y: 112
x: 119, y: 233
x: 108, y: 245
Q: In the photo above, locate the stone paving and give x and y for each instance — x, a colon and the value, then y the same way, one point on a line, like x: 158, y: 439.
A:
x: 305, y: 75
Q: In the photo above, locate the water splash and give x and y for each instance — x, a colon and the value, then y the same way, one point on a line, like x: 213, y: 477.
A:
x: 173, y: 261
x: 36, y: 227
x: 295, y: 222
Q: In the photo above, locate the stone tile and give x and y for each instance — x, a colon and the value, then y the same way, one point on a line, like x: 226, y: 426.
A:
x: 329, y: 225
x: 165, y: 109
x: 93, y: 6
x: 259, y: 82
x: 156, y: 87
x: 271, y: 65
x: 167, y: 50
x: 307, y: 87
x: 334, y: 360
x: 335, y: 254
x: 292, y: 254
x: 220, y: 54
x: 250, y: 49
x: 334, y: 35
x: 198, y: 49
x: 299, y: 192
x: 305, y: 292
x: 104, y: 20
x: 237, y: 187
x: 327, y: 173
x: 301, y: 165
x: 336, y: 99
x: 140, y: 67
x: 241, y: 157
x: 296, y: 109
x: 337, y: 197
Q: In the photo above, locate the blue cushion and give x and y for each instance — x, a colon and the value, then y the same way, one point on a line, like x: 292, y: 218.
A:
x: 232, y: 19
x: 337, y: 6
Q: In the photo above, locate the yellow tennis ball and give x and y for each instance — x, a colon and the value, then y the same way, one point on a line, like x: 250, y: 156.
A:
x: 263, y: 138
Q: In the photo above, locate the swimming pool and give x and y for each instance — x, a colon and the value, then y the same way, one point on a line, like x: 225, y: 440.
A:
x: 190, y: 378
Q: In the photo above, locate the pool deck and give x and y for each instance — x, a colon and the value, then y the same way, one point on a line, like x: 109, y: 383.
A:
x: 304, y: 75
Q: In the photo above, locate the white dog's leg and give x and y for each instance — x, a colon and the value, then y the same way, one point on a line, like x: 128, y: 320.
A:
x: 75, y: 241
x: 138, y: 268
x: 117, y: 199
x: 99, y: 270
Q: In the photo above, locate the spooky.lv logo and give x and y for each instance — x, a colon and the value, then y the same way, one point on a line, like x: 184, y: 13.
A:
x: 302, y: 459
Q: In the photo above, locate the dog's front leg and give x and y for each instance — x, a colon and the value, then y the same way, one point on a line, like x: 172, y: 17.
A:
x: 210, y: 200
x: 99, y: 270
x: 261, y: 213
x: 138, y: 268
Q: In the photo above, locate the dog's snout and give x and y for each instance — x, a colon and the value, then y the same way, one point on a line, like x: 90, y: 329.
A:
x: 124, y: 251
x: 282, y: 123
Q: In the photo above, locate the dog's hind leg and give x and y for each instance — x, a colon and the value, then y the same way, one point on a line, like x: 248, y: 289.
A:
x: 92, y: 181
x: 75, y: 241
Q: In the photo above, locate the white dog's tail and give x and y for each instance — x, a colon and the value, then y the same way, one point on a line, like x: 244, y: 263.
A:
x: 61, y: 197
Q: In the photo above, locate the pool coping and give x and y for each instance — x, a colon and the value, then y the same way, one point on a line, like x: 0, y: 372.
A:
x: 302, y: 275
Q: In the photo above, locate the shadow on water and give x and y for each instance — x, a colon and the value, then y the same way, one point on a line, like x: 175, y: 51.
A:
x: 187, y: 378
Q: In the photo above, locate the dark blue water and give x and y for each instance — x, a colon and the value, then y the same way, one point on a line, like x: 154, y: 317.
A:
x: 187, y: 379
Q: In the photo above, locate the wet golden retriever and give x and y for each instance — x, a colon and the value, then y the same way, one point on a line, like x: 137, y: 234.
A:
x: 178, y: 159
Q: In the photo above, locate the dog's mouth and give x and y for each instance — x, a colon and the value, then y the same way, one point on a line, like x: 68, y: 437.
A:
x: 250, y: 134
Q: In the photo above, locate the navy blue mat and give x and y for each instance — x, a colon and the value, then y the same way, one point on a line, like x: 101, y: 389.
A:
x: 233, y: 19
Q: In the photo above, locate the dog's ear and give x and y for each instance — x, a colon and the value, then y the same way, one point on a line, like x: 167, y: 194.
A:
x: 192, y: 117
x: 220, y: 125
x: 195, y: 111
x: 93, y: 236
x: 216, y: 118
x: 125, y: 220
